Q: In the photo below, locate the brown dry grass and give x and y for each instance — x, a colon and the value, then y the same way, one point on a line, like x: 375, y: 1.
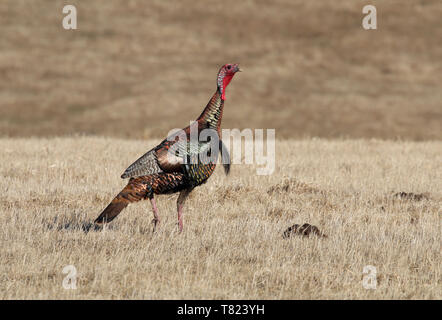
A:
x: 139, y: 68
x: 232, y: 246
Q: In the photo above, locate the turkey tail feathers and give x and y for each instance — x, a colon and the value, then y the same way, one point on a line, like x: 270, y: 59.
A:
x: 111, y: 211
x: 134, y: 191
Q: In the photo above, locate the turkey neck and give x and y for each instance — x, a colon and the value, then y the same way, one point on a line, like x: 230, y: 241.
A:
x: 212, y: 113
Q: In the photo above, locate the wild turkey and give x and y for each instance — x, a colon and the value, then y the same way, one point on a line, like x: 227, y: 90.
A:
x: 162, y: 170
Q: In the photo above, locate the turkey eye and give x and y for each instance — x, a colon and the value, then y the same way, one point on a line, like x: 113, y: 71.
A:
x: 229, y: 67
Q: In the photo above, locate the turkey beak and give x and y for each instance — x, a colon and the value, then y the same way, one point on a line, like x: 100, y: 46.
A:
x: 238, y: 69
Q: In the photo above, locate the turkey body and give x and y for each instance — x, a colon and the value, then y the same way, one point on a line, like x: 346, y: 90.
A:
x: 177, y: 164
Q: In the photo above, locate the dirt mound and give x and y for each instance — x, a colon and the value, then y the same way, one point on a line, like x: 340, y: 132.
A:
x: 305, y: 230
x: 411, y: 196
x: 293, y: 185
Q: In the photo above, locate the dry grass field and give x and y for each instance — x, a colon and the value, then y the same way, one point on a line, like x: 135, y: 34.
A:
x: 232, y: 246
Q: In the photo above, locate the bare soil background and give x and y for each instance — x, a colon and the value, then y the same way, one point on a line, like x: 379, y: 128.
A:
x: 139, y: 68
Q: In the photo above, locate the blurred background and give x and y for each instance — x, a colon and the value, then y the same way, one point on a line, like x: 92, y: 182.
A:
x: 136, y: 69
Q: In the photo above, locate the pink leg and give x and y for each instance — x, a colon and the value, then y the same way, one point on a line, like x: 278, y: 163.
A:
x: 156, y: 217
x: 180, y: 217
x: 180, y: 204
